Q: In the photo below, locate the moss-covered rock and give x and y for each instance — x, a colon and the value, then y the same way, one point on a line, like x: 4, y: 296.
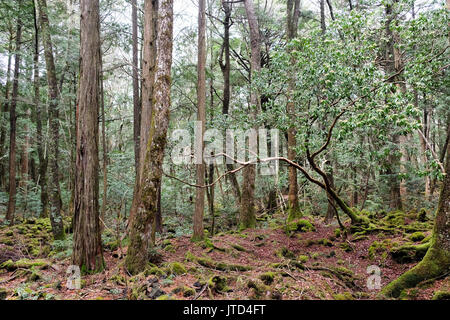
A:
x: 219, y: 284
x: 258, y: 289
x: 177, y: 268
x: 267, y: 277
x: 301, y: 225
x: 417, y: 236
x: 285, y: 253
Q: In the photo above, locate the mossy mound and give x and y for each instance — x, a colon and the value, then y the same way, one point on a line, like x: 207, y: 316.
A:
x: 25, y: 264
x: 219, y: 284
x: 417, y: 236
x: 409, y: 253
x: 267, y: 277
x: 301, y: 225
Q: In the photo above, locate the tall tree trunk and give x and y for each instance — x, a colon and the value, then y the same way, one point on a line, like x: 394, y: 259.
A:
x: 247, y: 211
x: 147, y: 87
x: 293, y: 13
x: 226, y: 70
x: 201, y: 117
x: 4, y: 111
x: 87, y: 248
x: 136, y: 96
x: 55, y: 193
x: 40, y: 141
x: 104, y: 145
x: 391, y: 67
x: 10, y: 213
x: 137, y: 256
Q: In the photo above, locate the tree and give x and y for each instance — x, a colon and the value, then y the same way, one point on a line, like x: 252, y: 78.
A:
x: 148, y: 76
x: 10, y: 213
x: 55, y: 192
x: 293, y: 14
x: 136, y: 97
x: 201, y: 117
x: 247, y: 217
x: 40, y: 138
x: 137, y: 255
x: 87, y: 244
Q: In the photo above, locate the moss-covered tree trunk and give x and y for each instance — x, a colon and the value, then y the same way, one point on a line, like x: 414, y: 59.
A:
x: 137, y: 255
x: 10, y: 213
x: 87, y: 244
x: 437, y: 259
x: 148, y: 79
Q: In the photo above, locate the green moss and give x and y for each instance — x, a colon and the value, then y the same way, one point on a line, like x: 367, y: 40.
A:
x: 422, y: 215
x: 24, y: 264
x: 441, y: 295
x: 302, y: 225
x: 209, y: 263
x: 260, y: 290
x: 417, y: 236
x: 218, y: 284
x: 238, y: 247
x: 164, y: 297
x: 409, y: 253
x: 188, y: 292
x: 267, y: 277
x: 303, y: 258
x: 155, y: 271
x: 177, y: 268
x: 346, y: 247
x: 343, y: 296
x: 285, y: 253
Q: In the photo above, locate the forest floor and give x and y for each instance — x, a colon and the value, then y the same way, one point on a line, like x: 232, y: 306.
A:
x: 305, y: 259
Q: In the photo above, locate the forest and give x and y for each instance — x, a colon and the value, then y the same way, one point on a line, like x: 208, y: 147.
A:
x: 224, y: 150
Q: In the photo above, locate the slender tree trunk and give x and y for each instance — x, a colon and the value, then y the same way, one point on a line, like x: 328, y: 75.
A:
x: 4, y: 111
x: 55, y: 193
x: 87, y: 249
x: 226, y: 70
x: 105, y: 147
x: 391, y: 67
x: 137, y: 256
x: 40, y: 141
x: 247, y: 211
x: 136, y: 96
x: 201, y: 117
x: 293, y: 13
x: 10, y: 213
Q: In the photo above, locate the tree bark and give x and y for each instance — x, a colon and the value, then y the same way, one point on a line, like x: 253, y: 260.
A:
x: 55, y: 193
x: 136, y: 96
x: 148, y: 76
x: 226, y: 70
x: 87, y: 249
x: 247, y: 211
x: 293, y: 14
x: 3, y: 182
x: 137, y: 256
x: 10, y: 213
x: 201, y: 117
x: 40, y: 141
